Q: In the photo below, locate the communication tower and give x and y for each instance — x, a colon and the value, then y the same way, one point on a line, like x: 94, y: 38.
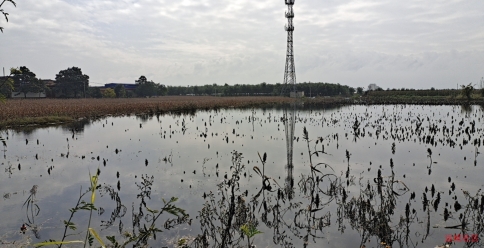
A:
x: 290, y: 70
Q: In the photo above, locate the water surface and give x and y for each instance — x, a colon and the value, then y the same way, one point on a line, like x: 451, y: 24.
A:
x: 410, y: 202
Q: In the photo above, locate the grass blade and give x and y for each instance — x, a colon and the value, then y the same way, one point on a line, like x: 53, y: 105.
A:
x: 94, y: 233
x: 46, y: 243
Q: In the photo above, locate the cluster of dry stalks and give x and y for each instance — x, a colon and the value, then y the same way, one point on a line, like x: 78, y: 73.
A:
x: 79, y: 108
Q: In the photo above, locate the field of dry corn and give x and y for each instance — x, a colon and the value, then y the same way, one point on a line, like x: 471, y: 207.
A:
x: 15, y: 109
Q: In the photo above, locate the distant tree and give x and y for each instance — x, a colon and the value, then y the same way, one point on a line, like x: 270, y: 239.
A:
x: 71, y: 82
x: 120, y: 91
x: 351, y: 90
x: 467, y: 91
x: 141, y: 80
x: 145, y: 87
x: 25, y: 81
x: 95, y: 92
x: 359, y: 90
x: 227, y: 89
x: 5, y: 13
x: 207, y: 89
x: 196, y: 90
x: 162, y: 90
x: 6, y: 88
x: 109, y: 93
x: 432, y: 88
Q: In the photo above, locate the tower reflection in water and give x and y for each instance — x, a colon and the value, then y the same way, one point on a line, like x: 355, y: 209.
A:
x: 289, y: 123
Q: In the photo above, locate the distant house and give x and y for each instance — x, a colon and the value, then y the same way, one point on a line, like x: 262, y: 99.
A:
x: 296, y: 94
x: 127, y: 87
x: 15, y: 94
x: 373, y: 87
x: 50, y: 85
x: 28, y: 95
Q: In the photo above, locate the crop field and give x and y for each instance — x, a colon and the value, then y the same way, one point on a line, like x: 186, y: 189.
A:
x: 18, y: 112
x: 80, y: 108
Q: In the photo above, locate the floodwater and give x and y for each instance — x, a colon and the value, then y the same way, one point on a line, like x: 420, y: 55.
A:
x: 375, y: 176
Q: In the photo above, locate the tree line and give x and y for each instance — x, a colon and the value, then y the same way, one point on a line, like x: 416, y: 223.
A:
x: 309, y: 88
x: 72, y: 83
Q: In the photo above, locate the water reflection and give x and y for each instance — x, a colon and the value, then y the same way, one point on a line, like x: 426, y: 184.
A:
x: 361, y: 177
x: 78, y: 126
x: 144, y: 117
x: 466, y: 109
x: 32, y: 211
x: 289, y: 126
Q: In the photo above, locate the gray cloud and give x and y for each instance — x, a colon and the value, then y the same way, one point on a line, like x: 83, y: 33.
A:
x: 415, y: 44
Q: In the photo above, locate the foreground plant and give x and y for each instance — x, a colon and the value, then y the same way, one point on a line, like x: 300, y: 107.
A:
x: 141, y: 232
x: 141, y: 237
x: 81, y: 205
x: 5, y: 13
x: 250, y: 231
x: 221, y: 220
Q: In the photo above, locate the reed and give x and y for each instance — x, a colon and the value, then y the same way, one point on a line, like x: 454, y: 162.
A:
x: 18, y: 112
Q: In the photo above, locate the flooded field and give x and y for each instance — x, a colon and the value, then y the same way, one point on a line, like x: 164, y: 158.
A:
x: 355, y: 176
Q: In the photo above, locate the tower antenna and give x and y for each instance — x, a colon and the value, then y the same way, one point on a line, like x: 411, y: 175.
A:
x: 290, y: 70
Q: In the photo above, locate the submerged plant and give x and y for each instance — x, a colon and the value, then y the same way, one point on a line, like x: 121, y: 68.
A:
x: 221, y: 220
x: 32, y: 209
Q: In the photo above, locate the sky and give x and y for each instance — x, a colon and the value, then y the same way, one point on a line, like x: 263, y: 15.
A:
x: 394, y: 44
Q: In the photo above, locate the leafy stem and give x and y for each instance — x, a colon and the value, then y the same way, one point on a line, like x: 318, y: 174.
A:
x: 93, y: 188
x: 250, y: 231
x: 68, y: 223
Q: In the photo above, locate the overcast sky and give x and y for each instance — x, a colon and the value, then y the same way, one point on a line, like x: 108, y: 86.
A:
x: 412, y: 43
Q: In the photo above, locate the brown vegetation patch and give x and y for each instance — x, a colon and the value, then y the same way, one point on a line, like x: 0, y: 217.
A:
x: 15, y: 109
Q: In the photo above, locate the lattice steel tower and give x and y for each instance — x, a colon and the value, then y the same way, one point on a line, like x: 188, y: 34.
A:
x: 290, y: 70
